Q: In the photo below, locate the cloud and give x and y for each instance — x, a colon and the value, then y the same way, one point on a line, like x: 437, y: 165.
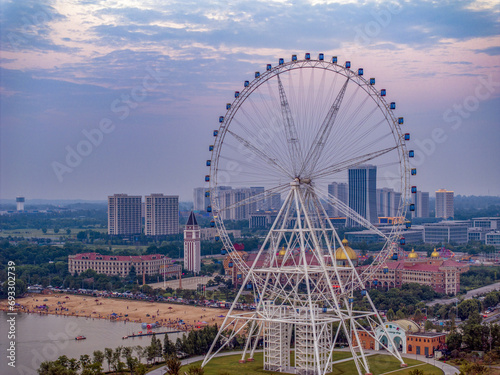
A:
x: 26, y: 26
x: 492, y: 51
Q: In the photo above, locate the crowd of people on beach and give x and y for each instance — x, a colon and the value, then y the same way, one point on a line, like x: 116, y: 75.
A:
x: 60, y: 308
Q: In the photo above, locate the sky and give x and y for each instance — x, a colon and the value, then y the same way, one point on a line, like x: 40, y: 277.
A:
x: 122, y: 96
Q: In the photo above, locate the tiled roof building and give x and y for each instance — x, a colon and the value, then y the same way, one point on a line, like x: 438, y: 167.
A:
x: 112, y: 265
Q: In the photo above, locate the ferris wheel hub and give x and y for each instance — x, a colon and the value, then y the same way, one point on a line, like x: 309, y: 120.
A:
x: 299, y: 181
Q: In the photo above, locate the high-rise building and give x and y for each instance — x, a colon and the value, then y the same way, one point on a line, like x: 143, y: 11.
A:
x: 20, y: 203
x: 363, y: 193
x: 388, y: 202
x: 124, y: 214
x: 421, y: 202
x: 444, y: 204
x: 162, y: 215
x: 341, y: 192
x: 273, y: 201
x: 192, y: 245
x: 200, y: 198
x: 230, y: 209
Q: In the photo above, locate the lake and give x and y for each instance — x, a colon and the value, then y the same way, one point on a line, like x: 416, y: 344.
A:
x: 46, y: 337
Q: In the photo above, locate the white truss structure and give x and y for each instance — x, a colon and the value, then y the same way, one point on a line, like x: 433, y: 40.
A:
x: 300, y: 288
x: 304, y: 298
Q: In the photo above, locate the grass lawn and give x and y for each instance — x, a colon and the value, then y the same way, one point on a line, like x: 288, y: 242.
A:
x: 379, y: 364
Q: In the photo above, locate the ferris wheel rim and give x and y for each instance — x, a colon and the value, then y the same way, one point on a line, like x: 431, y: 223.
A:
x: 275, y: 71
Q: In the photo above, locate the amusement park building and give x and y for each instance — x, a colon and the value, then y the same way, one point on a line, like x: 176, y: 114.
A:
x: 407, y: 337
x: 111, y: 265
x: 443, y: 275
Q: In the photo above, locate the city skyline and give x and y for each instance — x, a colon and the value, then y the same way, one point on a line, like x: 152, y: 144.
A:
x: 123, y: 97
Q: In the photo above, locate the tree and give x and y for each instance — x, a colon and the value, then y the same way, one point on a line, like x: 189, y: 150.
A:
x: 390, y: 314
x: 140, y: 352
x: 117, y: 364
x: 467, y: 307
x: 130, y: 360
x: 132, y: 274
x: 155, y: 349
x: 418, y: 316
x: 475, y: 368
x: 172, y: 364
x: 474, y: 334
x: 140, y: 369
x: 428, y: 326
x: 454, y: 341
x: 195, y: 370
x: 168, y: 346
x: 61, y: 366
x: 416, y: 372
x: 400, y: 314
x: 85, y: 360
x: 98, y: 356
x: 108, y: 353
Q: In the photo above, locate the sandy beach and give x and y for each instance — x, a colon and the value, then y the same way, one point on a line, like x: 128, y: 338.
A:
x: 167, y: 315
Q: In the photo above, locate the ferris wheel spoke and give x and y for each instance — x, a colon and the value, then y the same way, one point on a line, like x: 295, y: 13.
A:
x: 253, y: 199
x: 353, y: 215
x: 346, y: 164
x: 321, y: 138
x: 294, y: 149
x: 261, y: 154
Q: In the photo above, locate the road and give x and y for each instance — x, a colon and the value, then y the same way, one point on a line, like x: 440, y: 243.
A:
x: 468, y: 295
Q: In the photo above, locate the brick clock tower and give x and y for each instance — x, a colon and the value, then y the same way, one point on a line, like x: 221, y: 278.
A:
x: 192, y: 245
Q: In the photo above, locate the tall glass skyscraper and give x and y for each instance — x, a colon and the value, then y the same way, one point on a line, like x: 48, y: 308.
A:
x: 363, y: 193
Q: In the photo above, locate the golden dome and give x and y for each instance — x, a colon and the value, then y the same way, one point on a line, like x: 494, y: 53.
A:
x: 282, y: 252
x: 341, y: 255
x: 435, y: 254
x: 413, y: 254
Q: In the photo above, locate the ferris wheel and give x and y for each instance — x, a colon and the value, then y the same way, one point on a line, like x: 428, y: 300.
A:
x: 309, y: 120
x: 288, y: 133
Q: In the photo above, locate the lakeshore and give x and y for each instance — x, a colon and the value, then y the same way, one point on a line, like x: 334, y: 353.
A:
x: 173, y: 316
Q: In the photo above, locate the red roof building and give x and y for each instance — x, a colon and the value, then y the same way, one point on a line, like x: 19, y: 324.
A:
x: 112, y: 265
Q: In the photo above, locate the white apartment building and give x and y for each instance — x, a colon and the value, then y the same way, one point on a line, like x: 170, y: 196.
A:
x: 444, y: 204
x: 161, y: 215
x: 124, y: 214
